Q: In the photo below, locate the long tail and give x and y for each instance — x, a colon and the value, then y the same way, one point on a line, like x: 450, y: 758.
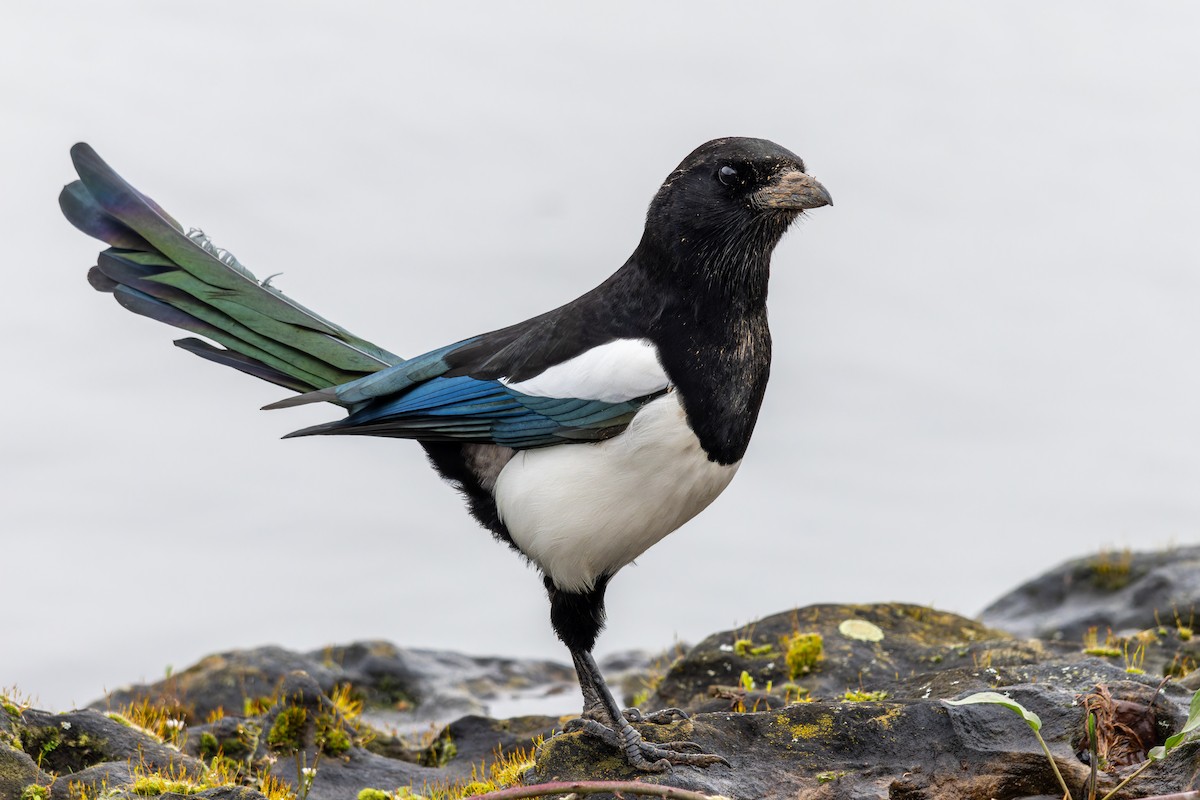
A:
x: 155, y: 269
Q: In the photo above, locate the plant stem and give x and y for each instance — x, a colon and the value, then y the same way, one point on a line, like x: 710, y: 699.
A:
x: 1137, y: 772
x: 1054, y: 766
x: 594, y: 787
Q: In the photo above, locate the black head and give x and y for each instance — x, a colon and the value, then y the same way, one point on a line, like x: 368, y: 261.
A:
x: 719, y: 215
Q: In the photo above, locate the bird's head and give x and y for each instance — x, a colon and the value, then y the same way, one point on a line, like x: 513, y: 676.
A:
x: 719, y: 215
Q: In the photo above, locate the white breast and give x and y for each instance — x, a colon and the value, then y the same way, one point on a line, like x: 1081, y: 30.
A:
x: 584, y: 510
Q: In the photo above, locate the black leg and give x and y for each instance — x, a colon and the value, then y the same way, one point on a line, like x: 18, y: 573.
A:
x: 607, y: 721
x: 577, y: 618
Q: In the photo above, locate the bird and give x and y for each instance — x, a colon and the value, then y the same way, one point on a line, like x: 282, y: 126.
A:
x: 580, y: 437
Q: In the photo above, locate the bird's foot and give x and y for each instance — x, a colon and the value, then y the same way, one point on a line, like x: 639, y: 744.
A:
x: 643, y: 755
x: 661, y: 717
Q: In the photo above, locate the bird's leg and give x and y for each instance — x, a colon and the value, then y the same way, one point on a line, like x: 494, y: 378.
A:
x: 594, y: 709
x: 604, y: 719
x: 577, y: 617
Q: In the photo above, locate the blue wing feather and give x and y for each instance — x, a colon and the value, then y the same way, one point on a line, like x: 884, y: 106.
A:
x: 466, y: 409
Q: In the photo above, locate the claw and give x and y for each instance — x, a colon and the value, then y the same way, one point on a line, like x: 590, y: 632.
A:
x: 643, y: 755
x: 660, y: 717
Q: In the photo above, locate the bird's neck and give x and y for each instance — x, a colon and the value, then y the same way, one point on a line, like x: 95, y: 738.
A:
x: 709, y: 273
x: 711, y: 333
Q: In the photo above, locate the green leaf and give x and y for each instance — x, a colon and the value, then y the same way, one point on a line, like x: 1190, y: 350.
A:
x: 995, y: 698
x: 1192, y: 724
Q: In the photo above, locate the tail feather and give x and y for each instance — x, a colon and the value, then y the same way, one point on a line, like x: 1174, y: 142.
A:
x: 242, y: 363
x: 157, y: 270
x: 86, y: 214
x: 287, y: 343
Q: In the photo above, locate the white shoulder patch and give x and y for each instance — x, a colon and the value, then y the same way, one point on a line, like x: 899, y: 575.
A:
x: 614, y: 372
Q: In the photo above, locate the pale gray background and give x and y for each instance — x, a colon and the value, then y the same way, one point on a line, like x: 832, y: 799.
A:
x: 986, y: 353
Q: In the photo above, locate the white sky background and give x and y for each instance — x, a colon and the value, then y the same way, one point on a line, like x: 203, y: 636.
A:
x: 986, y: 353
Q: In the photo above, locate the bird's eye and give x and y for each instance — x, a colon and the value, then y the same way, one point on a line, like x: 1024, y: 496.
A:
x: 727, y: 175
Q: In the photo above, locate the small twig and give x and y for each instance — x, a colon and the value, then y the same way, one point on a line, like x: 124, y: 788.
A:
x: 594, y: 787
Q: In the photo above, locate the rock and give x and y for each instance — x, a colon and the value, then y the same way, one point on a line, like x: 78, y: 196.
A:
x: 914, y: 640
x: 828, y: 701
x: 1122, y: 592
x: 901, y: 741
x: 18, y: 770
x: 404, y: 689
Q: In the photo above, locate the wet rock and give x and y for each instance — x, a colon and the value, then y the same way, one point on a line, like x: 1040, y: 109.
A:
x: 1122, y: 592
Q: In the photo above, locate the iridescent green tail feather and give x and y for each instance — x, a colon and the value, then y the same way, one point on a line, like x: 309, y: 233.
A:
x: 156, y: 269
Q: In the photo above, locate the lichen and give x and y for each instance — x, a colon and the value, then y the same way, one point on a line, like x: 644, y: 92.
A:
x: 35, y: 792
x: 821, y: 728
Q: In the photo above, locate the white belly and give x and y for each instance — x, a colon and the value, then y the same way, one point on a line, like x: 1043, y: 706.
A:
x: 585, y: 510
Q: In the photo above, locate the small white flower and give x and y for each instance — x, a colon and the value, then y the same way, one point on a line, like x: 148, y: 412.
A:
x: 66, y: 726
x: 174, y: 724
x: 726, y: 648
x: 309, y: 772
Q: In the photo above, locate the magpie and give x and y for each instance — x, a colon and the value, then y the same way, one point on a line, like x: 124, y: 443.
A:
x: 579, y: 437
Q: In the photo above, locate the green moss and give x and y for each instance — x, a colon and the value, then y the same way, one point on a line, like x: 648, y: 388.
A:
x: 253, y: 706
x: 35, y: 792
x: 794, y: 693
x: 1110, y: 571
x: 154, y: 785
x: 439, y: 753
x: 10, y: 709
x: 331, y: 737
x: 863, y: 696
x: 243, y: 742
x: 828, y: 777
x: 287, y: 732
x: 119, y: 718
x: 41, y: 742
x: 746, y: 649
x: 373, y: 794
x: 391, y: 692
x: 209, y: 746
x: 1104, y: 652
x: 804, y: 651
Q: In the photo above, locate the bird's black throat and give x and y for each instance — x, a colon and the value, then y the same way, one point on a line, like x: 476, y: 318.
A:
x: 712, y: 332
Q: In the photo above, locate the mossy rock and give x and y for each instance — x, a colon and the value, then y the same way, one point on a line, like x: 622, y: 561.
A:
x: 826, y: 649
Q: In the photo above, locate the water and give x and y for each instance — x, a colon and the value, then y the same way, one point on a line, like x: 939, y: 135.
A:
x: 985, y: 353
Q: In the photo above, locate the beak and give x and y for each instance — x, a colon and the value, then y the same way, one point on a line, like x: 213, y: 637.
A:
x: 794, y: 191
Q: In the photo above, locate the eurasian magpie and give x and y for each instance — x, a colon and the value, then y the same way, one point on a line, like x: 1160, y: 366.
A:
x: 579, y: 437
